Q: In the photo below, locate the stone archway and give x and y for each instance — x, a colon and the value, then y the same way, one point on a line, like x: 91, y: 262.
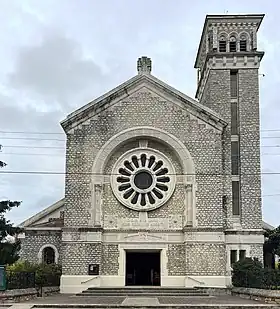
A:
x: 180, y: 150
x: 48, y: 254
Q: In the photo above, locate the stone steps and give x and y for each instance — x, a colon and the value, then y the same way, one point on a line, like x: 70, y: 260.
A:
x: 197, y: 294
x: 196, y: 306
x: 144, y: 292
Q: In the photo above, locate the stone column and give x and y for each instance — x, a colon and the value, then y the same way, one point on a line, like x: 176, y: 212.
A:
x: 188, y: 205
x: 98, y: 192
x: 96, y: 202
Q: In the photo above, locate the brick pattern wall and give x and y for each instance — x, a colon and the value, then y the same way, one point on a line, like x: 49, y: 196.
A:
x: 216, y: 96
x: 110, y: 262
x: 205, y: 259
x: 141, y: 109
x: 35, y: 240
x: 77, y: 257
x: 257, y: 251
x: 251, y: 216
x: 176, y: 254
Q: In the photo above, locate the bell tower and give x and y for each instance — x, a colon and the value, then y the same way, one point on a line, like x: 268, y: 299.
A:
x: 227, y: 64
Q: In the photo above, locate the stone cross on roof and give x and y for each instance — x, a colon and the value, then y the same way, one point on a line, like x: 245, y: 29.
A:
x: 144, y: 65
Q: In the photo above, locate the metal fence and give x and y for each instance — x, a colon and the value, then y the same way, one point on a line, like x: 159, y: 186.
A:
x: 25, y: 280
x: 20, y: 280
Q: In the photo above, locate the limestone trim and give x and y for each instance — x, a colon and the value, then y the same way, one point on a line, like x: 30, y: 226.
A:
x: 78, y: 283
x: 143, y: 247
x: 221, y: 61
x: 122, y: 137
x: 124, y: 90
x: 40, y: 253
x: 143, y: 237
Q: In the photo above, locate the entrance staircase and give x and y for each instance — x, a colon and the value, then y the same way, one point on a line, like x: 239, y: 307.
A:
x: 144, y: 292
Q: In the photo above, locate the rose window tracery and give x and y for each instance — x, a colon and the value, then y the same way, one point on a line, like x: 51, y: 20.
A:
x: 143, y: 179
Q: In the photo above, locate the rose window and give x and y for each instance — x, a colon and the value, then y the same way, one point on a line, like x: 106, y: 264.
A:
x: 143, y: 179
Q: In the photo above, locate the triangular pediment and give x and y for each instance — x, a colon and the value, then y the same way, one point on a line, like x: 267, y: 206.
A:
x: 52, y: 216
x: 134, y: 84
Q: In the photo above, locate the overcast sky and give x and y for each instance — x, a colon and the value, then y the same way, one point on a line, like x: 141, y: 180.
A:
x: 56, y: 55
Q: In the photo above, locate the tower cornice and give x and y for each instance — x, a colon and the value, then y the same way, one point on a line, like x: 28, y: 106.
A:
x: 233, y: 21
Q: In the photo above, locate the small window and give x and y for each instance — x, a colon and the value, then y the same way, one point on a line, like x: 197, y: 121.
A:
x: 235, y: 158
x: 233, y: 84
x: 232, y: 44
x: 242, y: 254
x: 234, y: 118
x: 222, y: 44
x: 243, y: 45
x: 48, y: 255
x: 235, y: 198
x: 233, y: 256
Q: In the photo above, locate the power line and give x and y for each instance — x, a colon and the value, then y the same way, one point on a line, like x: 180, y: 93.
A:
x: 35, y: 139
x: 62, y: 133
x: 110, y: 174
x: 57, y: 147
x: 30, y: 132
x: 35, y: 147
x: 34, y: 154
x: 64, y: 140
x: 266, y: 195
x: 63, y: 154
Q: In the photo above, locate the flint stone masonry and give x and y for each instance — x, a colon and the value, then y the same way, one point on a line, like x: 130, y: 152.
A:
x: 35, y: 240
x: 205, y: 259
x: 110, y: 263
x: 77, y: 257
x: 194, y: 229
x: 176, y: 254
x: 140, y: 109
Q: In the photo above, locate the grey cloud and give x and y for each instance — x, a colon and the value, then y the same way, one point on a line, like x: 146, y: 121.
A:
x: 57, y: 70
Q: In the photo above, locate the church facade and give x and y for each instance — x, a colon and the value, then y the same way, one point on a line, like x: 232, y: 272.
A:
x: 160, y: 188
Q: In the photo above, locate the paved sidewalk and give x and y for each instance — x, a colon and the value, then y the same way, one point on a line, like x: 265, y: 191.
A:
x: 67, y: 299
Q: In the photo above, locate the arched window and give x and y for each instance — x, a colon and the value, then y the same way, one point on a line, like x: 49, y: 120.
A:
x: 48, y: 255
x: 243, y: 43
x: 222, y: 44
x: 232, y: 44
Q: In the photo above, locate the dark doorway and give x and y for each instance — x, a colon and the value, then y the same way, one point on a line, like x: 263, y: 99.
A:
x: 142, y: 268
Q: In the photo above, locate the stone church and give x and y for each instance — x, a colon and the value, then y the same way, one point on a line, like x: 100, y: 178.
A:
x: 160, y: 188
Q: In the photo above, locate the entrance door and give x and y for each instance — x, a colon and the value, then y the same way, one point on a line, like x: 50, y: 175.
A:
x: 142, y: 268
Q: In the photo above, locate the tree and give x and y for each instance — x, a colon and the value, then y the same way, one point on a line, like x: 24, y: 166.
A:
x: 271, y: 246
x: 9, y: 250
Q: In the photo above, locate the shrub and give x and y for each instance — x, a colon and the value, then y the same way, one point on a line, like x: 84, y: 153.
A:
x: 250, y: 273
x: 45, y: 274
x: 247, y: 273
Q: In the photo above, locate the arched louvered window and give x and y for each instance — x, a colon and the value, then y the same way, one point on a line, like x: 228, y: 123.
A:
x: 243, y: 44
x: 222, y: 44
x: 232, y: 44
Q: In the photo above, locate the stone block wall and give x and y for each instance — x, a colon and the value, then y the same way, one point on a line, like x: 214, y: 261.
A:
x: 77, y: 256
x: 216, y: 96
x: 110, y: 262
x: 205, y: 259
x: 176, y: 254
x: 35, y: 240
x: 142, y: 109
x: 251, y: 215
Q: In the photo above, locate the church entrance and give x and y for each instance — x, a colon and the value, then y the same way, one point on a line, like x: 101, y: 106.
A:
x: 142, y: 268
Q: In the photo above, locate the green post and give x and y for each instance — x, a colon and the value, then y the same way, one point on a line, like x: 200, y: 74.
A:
x: 2, y: 278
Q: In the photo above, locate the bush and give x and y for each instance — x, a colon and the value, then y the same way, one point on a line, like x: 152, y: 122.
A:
x: 250, y: 273
x: 247, y: 273
x: 45, y: 274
